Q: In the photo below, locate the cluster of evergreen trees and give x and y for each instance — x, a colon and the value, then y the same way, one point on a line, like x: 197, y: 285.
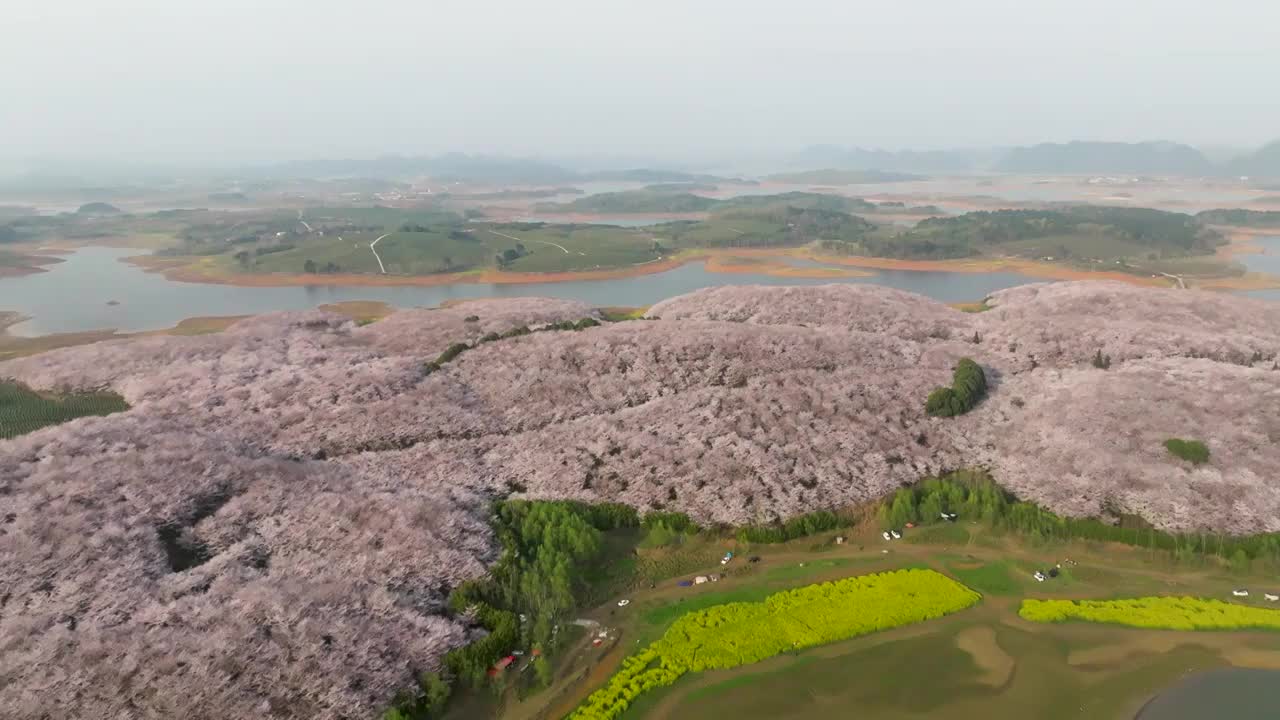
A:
x: 968, y: 387
x: 534, y: 588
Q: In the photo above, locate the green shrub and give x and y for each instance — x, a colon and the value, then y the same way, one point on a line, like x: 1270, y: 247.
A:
x: 968, y: 388
x: 676, y: 521
x: 1193, y: 451
x: 452, y: 352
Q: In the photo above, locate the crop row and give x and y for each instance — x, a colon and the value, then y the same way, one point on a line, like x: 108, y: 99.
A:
x: 733, y: 634
x: 1170, y: 613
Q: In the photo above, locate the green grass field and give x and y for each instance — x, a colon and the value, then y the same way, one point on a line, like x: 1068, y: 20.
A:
x: 23, y: 411
x: 993, y: 578
x: 983, y: 663
x: 567, y: 248
x: 886, y: 680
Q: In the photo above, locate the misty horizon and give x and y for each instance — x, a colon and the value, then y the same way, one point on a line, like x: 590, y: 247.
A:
x: 236, y: 82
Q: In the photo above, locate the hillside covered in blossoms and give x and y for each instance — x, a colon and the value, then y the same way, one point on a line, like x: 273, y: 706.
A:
x: 273, y: 526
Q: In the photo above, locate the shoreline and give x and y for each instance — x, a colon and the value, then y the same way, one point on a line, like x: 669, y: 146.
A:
x: 716, y: 260
x: 15, y: 346
x: 30, y: 263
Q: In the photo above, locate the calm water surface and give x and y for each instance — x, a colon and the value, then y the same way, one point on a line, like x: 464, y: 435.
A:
x: 75, y: 295
x: 1226, y: 694
x: 1265, y: 262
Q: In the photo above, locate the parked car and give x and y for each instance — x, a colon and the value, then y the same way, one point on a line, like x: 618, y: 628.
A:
x: 1039, y: 576
x: 1270, y: 597
x: 624, y: 603
x: 886, y: 535
x: 896, y: 535
x: 1240, y: 593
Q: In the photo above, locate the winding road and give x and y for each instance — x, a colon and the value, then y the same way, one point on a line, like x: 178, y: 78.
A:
x: 375, y: 254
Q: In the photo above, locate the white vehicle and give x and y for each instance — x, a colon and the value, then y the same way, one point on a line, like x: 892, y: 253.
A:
x: 623, y: 603
x: 886, y: 535
x: 896, y: 535
x: 1270, y: 597
x: 1039, y: 576
x: 1240, y: 593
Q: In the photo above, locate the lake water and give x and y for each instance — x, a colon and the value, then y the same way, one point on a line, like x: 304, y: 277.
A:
x: 1230, y: 694
x: 74, y: 295
x: 1265, y: 262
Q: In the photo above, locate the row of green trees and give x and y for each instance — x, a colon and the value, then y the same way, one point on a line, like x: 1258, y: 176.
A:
x: 734, y: 634
x: 1169, y: 613
x: 968, y: 387
x: 536, y: 584
x: 793, y: 528
x: 974, y: 496
x: 457, y: 349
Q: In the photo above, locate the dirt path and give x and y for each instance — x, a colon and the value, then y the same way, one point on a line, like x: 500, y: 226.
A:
x: 373, y: 247
x: 544, y: 242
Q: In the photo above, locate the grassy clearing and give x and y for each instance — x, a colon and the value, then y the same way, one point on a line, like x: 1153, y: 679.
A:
x: 23, y: 411
x: 566, y: 248
x: 946, y: 533
x: 992, y: 578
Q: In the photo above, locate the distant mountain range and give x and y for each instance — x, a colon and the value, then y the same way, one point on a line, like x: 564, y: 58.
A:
x: 1145, y: 158
x: 819, y: 164
x: 903, y: 161
x: 1076, y: 158
x: 1263, y: 162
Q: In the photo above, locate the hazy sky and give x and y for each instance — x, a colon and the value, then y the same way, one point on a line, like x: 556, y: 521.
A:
x: 275, y: 79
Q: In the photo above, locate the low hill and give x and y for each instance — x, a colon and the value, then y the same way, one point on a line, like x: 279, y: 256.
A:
x: 832, y: 176
x: 284, y: 506
x: 1145, y: 158
x: 807, y: 200
x: 634, y: 201
x: 1241, y: 218
x: 650, y: 175
x: 1084, y: 232
x: 98, y: 208
x: 1263, y: 162
x: 908, y: 161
